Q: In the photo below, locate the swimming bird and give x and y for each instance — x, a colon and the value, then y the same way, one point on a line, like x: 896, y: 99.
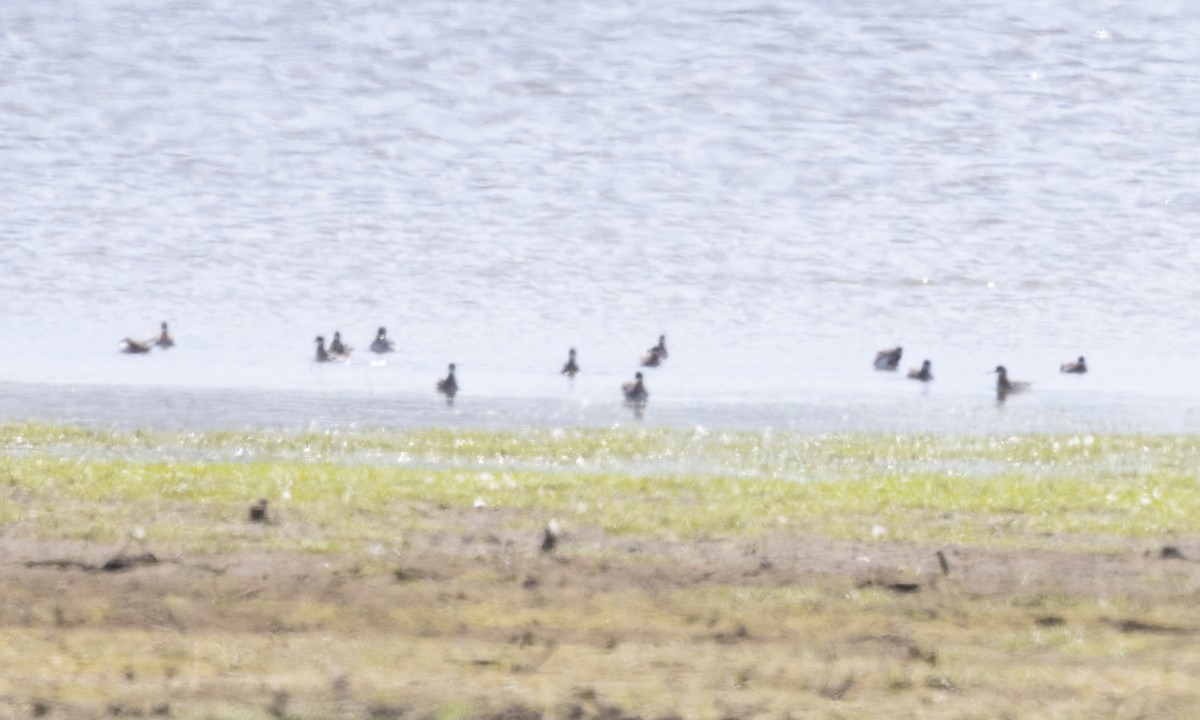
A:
x: 448, y: 385
x: 1004, y: 386
x: 1079, y: 366
x: 337, y: 348
x: 322, y: 354
x: 570, y: 369
x: 381, y: 344
x: 655, y: 355
x: 635, y: 392
x: 134, y: 347
x: 163, y: 339
x: 888, y: 359
x: 925, y: 374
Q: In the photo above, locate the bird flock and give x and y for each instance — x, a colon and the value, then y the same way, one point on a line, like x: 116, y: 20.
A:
x: 140, y: 347
x: 889, y: 360
x: 635, y: 393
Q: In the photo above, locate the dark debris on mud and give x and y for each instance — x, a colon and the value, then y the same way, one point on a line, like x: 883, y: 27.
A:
x: 116, y: 563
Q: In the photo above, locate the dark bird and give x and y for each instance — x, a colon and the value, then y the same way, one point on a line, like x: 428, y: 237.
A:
x: 635, y: 392
x: 1004, y: 386
x: 448, y: 385
x: 888, y: 359
x: 655, y: 355
x: 322, y: 353
x: 338, y: 349
x: 163, y: 339
x: 1079, y: 366
x: 570, y: 369
x: 945, y: 565
x: 258, y: 511
x: 925, y: 374
x: 381, y: 344
x: 134, y: 347
x: 550, y: 536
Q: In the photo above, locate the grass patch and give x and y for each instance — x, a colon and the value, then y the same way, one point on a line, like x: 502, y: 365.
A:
x: 1012, y: 492
x: 399, y: 574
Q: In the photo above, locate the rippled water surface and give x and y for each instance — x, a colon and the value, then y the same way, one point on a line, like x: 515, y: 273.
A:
x: 782, y: 189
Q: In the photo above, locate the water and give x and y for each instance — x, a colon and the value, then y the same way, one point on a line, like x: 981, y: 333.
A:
x: 781, y: 190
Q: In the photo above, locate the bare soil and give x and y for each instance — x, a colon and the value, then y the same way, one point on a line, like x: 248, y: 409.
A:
x: 474, y: 620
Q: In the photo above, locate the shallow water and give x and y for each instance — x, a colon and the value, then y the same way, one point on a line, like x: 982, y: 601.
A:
x: 215, y: 408
x: 781, y: 190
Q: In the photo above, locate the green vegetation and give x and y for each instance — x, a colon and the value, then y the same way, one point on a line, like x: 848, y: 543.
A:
x: 346, y: 488
x: 699, y: 574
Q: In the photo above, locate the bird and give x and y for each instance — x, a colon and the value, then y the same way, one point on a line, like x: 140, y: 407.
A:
x: 258, y: 511
x: 322, y: 354
x: 925, y: 374
x: 570, y: 369
x: 655, y: 355
x: 337, y: 348
x: 1079, y: 366
x: 888, y: 359
x: 1004, y: 386
x: 550, y: 536
x: 448, y: 385
x: 163, y: 339
x: 381, y: 344
x: 635, y: 392
x: 134, y: 347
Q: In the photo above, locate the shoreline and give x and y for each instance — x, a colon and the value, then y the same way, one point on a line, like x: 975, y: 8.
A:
x: 384, y: 589
x: 901, y: 408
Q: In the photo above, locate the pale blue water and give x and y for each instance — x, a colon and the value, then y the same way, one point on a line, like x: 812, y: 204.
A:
x: 781, y: 189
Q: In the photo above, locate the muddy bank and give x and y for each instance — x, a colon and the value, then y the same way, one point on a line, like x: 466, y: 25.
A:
x: 472, y: 619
